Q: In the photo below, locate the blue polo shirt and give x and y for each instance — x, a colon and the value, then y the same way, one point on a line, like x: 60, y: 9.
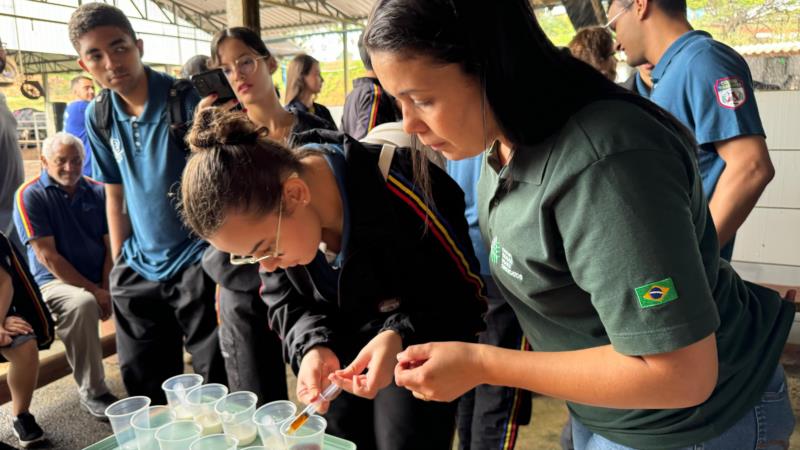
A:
x: 467, y: 173
x: 75, y: 124
x: 708, y: 87
x: 141, y: 159
x: 78, y: 223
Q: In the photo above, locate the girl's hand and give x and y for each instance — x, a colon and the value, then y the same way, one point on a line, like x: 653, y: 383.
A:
x: 378, y: 356
x: 16, y: 326
x: 208, y: 102
x: 441, y: 371
x: 312, y: 378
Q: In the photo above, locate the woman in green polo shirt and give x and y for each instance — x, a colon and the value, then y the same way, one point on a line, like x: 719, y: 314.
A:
x: 600, y: 238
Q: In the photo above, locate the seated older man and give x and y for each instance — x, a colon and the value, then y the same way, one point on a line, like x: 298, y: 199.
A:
x: 60, y: 217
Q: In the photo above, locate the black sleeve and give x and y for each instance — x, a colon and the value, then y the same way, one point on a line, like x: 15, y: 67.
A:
x: 359, y: 115
x: 323, y: 113
x: 299, y: 320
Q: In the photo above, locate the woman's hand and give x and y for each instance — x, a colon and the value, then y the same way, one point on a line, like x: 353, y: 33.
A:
x: 440, y: 371
x: 312, y: 378
x: 13, y: 326
x: 208, y: 102
x: 378, y: 356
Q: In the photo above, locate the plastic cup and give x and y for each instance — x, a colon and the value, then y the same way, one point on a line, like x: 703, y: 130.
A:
x: 119, y: 414
x: 258, y: 447
x: 236, y: 411
x: 268, y: 420
x: 146, y: 422
x: 178, y: 435
x: 201, y: 401
x: 308, y: 437
x: 176, y: 389
x: 215, y: 442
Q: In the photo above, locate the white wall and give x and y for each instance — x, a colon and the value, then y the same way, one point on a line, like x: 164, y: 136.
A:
x: 768, y: 244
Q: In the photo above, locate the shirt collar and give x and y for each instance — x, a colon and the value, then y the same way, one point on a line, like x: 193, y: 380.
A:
x: 527, y: 164
x: 47, y: 182
x: 156, y: 100
x: 673, y: 50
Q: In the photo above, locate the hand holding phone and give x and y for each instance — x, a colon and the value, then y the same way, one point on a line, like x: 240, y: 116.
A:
x: 214, y: 82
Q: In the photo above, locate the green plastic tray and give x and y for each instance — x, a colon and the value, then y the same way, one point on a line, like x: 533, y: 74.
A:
x: 330, y: 443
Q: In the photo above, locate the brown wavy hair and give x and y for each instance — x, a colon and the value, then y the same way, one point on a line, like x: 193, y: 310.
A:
x: 595, y: 46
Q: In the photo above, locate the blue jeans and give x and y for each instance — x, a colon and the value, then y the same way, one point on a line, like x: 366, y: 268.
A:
x: 765, y: 427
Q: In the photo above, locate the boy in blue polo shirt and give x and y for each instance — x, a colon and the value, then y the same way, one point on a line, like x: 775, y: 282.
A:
x: 708, y: 87
x: 161, y: 296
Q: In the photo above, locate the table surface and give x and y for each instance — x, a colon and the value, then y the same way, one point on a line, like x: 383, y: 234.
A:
x: 330, y: 443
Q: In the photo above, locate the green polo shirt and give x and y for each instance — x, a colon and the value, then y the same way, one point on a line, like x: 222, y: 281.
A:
x: 601, y: 235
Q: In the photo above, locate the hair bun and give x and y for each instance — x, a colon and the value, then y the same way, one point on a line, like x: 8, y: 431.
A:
x: 214, y: 128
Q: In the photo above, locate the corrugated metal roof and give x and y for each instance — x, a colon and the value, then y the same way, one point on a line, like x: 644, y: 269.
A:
x: 771, y: 49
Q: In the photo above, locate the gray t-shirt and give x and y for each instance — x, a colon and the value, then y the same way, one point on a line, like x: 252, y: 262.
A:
x: 11, y: 170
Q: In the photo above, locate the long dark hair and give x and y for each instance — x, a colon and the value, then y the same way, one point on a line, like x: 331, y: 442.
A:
x: 504, y: 47
x: 249, y: 37
x: 296, y: 72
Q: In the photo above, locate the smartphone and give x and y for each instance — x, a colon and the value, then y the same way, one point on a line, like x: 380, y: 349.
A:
x: 213, y: 82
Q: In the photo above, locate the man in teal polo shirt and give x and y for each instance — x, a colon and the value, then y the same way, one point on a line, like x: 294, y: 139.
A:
x: 708, y: 87
x: 162, y: 297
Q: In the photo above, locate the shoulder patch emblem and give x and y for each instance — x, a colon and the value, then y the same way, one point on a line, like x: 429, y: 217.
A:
x: 658, y: 293
x: 730, y: 92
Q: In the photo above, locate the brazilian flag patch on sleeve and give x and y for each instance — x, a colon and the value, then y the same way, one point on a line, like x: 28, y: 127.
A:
x: 657, y: 293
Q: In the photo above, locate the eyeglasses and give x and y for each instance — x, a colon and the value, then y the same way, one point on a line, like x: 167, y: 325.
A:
x: 245, y: 65
x: 237, y: 260
x: 613, y: 20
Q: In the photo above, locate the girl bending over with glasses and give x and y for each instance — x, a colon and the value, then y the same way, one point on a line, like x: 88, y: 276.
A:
x: 252, y: 351
x: 601, y: 239
x: 397, y: 267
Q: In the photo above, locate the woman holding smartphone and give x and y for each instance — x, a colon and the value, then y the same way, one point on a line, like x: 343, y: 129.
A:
x: 253, y: 358
x: 600, y: 239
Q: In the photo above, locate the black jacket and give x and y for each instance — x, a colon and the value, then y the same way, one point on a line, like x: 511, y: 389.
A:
x: 320, y: 111
x: 397, y: 273
x: 366, y: 107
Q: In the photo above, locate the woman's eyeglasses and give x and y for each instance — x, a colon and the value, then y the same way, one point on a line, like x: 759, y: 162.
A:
x: 245, y: 66
x: 237, y: 260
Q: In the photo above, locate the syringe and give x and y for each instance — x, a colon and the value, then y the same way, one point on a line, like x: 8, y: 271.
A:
x: 326, y: 396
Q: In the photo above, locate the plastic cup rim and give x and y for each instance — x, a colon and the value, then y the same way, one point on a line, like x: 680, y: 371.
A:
x: 316, y: 417
x: 197, y: 426
x: 165, y: 408
x: 126, y: 399
x: 188, y: 375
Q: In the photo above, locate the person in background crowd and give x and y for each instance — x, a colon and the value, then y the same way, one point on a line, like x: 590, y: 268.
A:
x: 25, y: 328
x: 303, y: 83
x: 61, y: 218
x: 595, y: 46
x: 162, y: 298
x: 708, y: 87
x: 194, y: 65
x: 367, y: 105
x: 75, y: 116
x: 600, y: 239
x: 12, y: 172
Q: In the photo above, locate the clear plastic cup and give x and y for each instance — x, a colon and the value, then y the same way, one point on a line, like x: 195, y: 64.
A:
x: 308, y: 437
x: 268, y: 420
x: 178, y: 435
x: 258, y: 447
x: 119, y: 414
x: 236, y: 411
x: 201, y: 401
x: 146, y: 422
x: 215, y: 442
x: 176, y: 388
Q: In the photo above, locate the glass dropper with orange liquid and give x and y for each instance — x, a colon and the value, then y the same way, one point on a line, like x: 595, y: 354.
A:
x: 327, y: 395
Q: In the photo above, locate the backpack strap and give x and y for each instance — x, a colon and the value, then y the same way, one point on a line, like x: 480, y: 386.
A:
x: 385, y: 159
x: 179, y: 122
x: 102, y: 115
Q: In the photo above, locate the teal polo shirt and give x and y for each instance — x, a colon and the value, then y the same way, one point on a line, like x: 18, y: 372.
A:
x: 601, y: 235
x: 149, y: 169
x: 77, y: 223
x: 708, y: 87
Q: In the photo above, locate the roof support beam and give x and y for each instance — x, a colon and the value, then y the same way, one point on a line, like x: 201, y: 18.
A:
x: 244, y: 13
x: 583, y: 13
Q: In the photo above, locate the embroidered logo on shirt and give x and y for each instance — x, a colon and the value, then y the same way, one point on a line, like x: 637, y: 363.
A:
x: 498, y: 254
x: 116, y: 148
x: 730, y: 92
x: 657, y: 293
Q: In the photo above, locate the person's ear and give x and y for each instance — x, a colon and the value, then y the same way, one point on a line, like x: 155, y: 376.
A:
x: 140, y: 46
x: 82, y: 64
x: 642, y: 8
x: 295, y: 193
x: 43, y: 161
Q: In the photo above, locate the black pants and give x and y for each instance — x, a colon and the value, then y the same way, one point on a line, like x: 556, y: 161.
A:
x: 489, y: 416
x: 394, y: 420
x: 252, y: 351
x: 155, y: 320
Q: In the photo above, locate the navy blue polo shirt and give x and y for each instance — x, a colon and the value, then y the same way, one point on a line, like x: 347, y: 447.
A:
x: 78, y: 224
x: 708, y: 87
x: 141, y: 159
